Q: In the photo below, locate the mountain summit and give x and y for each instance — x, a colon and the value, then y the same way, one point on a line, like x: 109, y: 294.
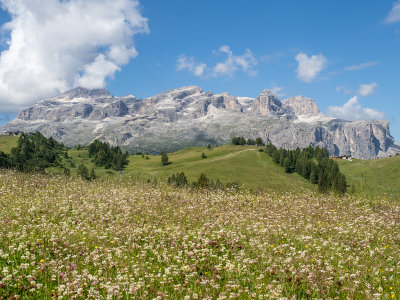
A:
x: 188, y: 116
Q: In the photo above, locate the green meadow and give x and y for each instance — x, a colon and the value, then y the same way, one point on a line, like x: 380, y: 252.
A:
x: 247, y: 166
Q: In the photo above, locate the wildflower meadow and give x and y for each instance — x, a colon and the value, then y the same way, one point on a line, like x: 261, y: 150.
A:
x: 121, y: 239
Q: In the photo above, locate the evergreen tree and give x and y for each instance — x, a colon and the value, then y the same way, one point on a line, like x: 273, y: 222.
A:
x: 5, y: 161
x: 209, y: 146
x: 276, y: 156
x: 83, y: 172
x: 306, y: 170
x: 164, y: 159
x: 203, y: 155
x: 314, y: 173
x: 93, y: 174
x: 202, y: 181
x: 282, y: 156
x: 109, y: 157
x: 259, y: 141
x: 179, y: 179
x: 286, y: 164
x: 67, y: 172
x: 269, y: 149
x: 250, y: 142
x: 34, y: 152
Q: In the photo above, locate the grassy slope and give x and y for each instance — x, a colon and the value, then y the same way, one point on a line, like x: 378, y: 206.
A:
x: 373, y: 176
x: 7, y: 142
x: 244, y: 165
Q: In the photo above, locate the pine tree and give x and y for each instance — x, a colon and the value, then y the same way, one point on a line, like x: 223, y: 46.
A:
x: 282, y: 156
x: 286, y: 164
x: 203, y: 155
x: 314, y: 174
x: 259, y: 141
x: 202, y: 181
x: 67, y: 172
x: 93, y: 174
x: 275, y: 156
x: 83, y: 171
x: 209, y: 146
x: 164, y: 159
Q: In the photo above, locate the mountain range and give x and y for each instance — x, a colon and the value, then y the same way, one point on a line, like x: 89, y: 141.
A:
x: 187, y: 116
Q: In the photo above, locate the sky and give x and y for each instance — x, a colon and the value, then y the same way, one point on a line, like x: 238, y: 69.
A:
x: 343, y: 54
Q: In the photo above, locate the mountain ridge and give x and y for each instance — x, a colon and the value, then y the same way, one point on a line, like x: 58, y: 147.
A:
x: 188, y: 116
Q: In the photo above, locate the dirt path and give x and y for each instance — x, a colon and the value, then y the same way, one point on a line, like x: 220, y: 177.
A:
x: 231, y: 155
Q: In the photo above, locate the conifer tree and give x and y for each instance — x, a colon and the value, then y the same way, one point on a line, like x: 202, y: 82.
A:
x: 164, y: 159
x: 93, y: 174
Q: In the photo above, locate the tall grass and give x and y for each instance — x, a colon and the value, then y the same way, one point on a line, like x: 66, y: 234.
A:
x: 112, y: 238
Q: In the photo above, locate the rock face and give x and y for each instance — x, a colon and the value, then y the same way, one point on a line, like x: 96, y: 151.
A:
x: 187, y: 117
x: 268, y: 104
x: 302, y: 106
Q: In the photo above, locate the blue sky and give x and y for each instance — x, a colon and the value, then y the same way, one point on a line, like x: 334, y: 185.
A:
x: 335, y: 52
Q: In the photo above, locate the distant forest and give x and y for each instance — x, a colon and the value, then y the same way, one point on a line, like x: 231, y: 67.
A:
x: 311, y: 163
x: 34, y: 153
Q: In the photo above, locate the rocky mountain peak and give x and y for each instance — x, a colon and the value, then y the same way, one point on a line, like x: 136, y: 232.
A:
x: 302, y: 106
x: 268, y: 104
x: 187, y: 116
x: 81, y: 92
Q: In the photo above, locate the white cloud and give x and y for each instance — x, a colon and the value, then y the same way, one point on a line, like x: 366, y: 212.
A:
x: 245, y: 62
x: 367, y: 89
x: 185, y: 62
x: 310, y: 67
x: 352, y: 110
x: 394, y: 14
x: 277, y: 90
x: 361, y: 66
x: 233, y: 63
x: 199, y: 69
x: 190, y: 64
x: 344, y: 89
x: 55, y: 45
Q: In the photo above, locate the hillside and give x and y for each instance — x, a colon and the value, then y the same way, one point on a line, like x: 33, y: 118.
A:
x: 244, y: 165
x: 374, y: 176
x: 7, y: 142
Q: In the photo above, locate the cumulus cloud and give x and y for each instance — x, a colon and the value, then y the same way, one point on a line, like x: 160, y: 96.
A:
x: 367, y: 89
x: 245, y: 62
x: 55, y: 45
x: 394, y: 14
x: 352, y: 110
x: 190, y: 64
x: 199, y: 69
x: 361, y: 66
x: 309, y: 67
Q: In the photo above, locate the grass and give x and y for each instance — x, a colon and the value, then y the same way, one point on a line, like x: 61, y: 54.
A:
x: 373, y: 177
x: 73, y: 239
x: 7, y: 142
x: 244, y: 165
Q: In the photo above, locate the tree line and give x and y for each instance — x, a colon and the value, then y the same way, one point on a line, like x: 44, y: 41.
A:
x: 33, y: 153
x: 239, y: 140
x: 110, y: 157
x: 313, y: 164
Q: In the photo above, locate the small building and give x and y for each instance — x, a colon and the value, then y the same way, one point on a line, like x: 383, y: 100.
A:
x: 347, y: 157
